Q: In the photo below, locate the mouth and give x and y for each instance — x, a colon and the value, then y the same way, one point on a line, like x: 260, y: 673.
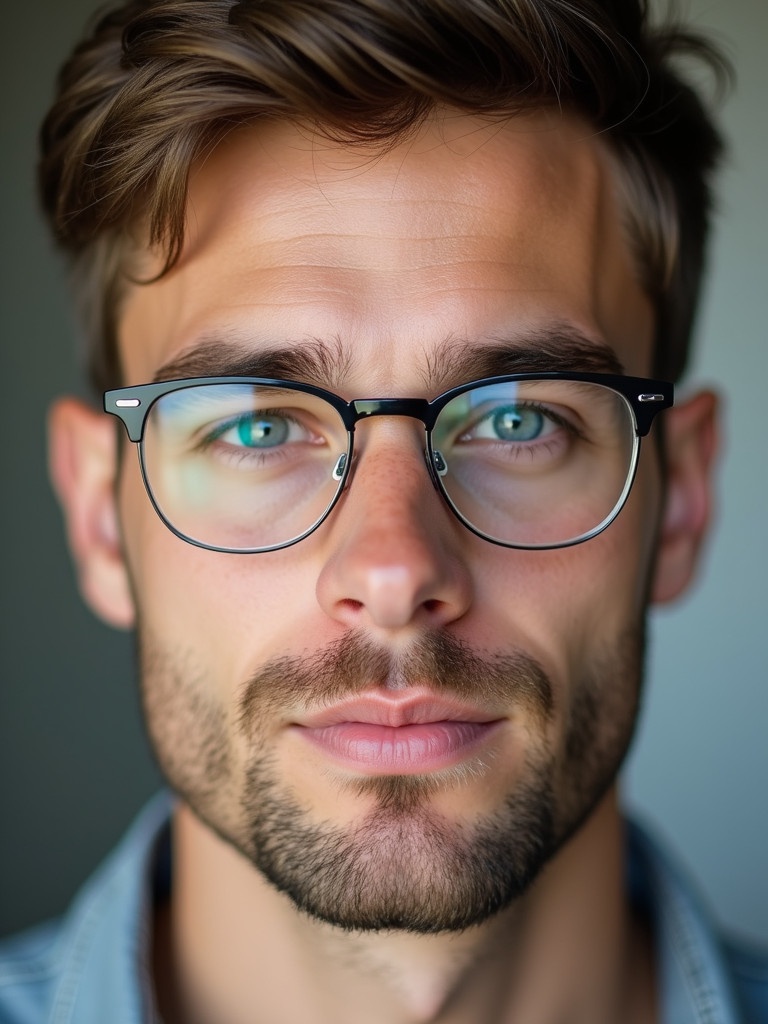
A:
x: 407, y: 734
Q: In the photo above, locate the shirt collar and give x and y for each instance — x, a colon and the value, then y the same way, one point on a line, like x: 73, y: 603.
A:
x: 105, y: 945
x: 694, y: 981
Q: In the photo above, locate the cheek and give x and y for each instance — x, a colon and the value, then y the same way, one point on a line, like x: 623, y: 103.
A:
x: 227, y: 614
x: 564, y: 606
x: 178, y: 588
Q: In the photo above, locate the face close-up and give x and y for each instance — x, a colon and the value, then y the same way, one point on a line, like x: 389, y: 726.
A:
x: 377, y: 713
x: 403, y: 336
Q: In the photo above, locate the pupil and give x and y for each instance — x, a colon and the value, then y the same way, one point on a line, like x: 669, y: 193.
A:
x: 262, y: 433
x: 512, y: 424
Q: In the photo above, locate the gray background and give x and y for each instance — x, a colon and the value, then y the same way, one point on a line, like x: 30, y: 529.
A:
x: 73, y: 762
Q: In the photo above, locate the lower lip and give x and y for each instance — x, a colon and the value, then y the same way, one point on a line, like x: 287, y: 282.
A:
x: 408, y: 748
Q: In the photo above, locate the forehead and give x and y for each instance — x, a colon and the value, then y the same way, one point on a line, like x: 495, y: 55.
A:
x: 469, y: 235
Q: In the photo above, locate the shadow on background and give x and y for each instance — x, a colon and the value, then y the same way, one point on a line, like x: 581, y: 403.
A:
x: 73, y: 761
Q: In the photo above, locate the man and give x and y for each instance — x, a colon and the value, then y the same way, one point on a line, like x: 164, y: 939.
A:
x: 387, y: 297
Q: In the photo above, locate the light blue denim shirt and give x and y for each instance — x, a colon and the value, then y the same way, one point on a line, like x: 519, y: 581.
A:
x: 92, y: 967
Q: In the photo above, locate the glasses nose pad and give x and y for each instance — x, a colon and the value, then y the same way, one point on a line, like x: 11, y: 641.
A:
x: 437, y: 466
x: 344, y: 469
x: 341, y: 465
x: 441, y: 466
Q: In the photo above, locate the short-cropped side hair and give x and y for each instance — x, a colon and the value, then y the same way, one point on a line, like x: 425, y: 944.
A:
x: 157, y: 83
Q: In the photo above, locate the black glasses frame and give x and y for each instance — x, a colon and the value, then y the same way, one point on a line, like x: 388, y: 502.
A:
x: 645, y: 396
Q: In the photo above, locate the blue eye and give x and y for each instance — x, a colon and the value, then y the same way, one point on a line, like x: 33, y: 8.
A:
x: 260, y: 431
x: 517, y: 423
x: 513, y: 423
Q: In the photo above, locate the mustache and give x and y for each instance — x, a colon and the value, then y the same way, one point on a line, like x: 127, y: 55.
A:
x: 354, y: 664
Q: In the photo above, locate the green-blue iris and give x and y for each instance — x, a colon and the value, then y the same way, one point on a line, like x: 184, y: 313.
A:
x: 262, y: 431
x: 515, y: 424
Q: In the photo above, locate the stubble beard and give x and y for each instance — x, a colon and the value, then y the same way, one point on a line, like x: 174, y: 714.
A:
x: 402, y: 865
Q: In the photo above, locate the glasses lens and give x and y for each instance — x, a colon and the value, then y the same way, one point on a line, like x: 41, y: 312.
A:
x: 241, y: 466
x: 536, y: 463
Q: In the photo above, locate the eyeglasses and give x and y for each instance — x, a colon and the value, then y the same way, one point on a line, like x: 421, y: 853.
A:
x: 247, y: 464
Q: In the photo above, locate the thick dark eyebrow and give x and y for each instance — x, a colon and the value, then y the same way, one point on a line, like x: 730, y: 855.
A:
x: 558, y: 348
x: 555, y: 349
x: 311, y: 362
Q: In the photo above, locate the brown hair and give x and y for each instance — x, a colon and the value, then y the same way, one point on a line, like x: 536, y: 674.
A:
x: 158, y: 82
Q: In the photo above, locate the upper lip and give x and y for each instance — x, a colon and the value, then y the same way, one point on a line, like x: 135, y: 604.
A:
x: 395, y: 711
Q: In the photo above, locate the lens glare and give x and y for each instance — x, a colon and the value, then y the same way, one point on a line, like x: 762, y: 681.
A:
x: 536, y: 463
x: 242, y: 467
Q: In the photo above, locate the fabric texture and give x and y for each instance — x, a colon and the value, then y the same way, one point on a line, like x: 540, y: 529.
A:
x: 92, y: 966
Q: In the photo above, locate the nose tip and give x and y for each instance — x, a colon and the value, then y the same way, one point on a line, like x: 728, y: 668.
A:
x: 392, y: 600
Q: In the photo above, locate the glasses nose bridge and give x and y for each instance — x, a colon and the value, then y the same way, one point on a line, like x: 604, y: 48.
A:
x: 413, y: 408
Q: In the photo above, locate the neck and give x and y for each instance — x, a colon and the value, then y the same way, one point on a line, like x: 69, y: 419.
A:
x: 231, y: 949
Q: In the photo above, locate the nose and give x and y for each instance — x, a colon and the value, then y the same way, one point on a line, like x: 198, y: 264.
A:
x: 394, y: 558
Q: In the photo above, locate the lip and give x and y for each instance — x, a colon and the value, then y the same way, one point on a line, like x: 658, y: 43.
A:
x: 418, y: 733
x: 395, y: 711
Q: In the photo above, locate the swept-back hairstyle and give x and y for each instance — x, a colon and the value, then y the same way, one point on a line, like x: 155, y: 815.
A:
x: 159, y: 82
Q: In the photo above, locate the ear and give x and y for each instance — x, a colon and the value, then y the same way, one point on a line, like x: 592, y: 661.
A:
x: 690, y: 444
x: 82, y: 454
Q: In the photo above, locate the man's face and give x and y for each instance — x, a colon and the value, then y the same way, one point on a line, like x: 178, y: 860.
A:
x: 276, y: 685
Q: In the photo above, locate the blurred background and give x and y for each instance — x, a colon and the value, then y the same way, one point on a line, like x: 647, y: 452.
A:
x: 74, y: 765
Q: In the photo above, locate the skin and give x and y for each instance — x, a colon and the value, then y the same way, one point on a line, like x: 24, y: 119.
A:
x: 464, y: 234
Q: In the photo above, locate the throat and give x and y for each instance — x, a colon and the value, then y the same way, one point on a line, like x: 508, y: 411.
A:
x: 430, y: 979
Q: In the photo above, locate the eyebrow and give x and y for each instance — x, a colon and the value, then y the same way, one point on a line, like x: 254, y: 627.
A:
x: 315, y: 361
x: 555, y: 348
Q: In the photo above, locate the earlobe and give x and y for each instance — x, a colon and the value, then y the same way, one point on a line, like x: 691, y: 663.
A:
x: 690, y: 444
x: 82, y: 452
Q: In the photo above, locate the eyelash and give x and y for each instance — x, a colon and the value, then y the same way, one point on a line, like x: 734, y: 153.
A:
x: 545, y: 410
x: 213, y: 435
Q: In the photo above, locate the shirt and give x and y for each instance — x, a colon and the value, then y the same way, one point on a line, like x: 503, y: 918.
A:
x: 92, y: 966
